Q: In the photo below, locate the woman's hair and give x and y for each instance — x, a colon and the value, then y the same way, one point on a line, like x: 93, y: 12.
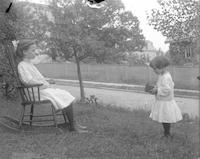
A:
x: 22, y: 46
x: 159, y: 62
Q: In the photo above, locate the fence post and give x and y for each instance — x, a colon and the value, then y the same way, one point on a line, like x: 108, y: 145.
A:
x: 87, y: 73
x: 106, y: 74
x: 148, y: 73
x: 173, y: 73
x: 126, y: 74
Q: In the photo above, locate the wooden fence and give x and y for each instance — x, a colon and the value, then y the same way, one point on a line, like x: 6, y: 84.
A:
x: 184, y: 77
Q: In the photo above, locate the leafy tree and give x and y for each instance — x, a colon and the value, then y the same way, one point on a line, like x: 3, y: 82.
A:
x: 175, y: 18
x: 7, y: 34
x: 108, y: 28
x: 20, y: 22
x: 7, y: 19
x: 178, y: 20
x: 103, y: 33
x: 33, y: 21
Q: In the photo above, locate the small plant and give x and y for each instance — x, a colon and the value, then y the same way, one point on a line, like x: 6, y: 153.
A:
x: 92, y: 99
x: 186, y: 117
x: 7, y: 83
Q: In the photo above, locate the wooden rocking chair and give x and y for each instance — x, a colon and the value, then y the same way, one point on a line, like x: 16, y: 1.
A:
x: 29, y: 97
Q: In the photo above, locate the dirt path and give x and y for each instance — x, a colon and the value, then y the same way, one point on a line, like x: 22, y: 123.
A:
x: 132, y: 100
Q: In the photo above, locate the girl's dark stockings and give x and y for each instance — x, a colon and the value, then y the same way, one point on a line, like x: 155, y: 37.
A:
x: 166, y: 127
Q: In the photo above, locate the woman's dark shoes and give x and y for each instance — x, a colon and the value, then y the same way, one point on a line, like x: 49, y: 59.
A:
x: 81, y: 131
x: 78, y: 130
x: 80, y: 126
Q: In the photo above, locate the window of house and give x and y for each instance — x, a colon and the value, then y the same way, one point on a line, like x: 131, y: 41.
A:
x: 188, y: 52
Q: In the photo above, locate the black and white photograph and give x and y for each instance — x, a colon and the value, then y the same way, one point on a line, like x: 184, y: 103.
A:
x: 99, y: 79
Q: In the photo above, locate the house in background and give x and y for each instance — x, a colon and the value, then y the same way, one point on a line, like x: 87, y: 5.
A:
x: 144, y: 56
x: 186, y: 47
x: 149, y: 51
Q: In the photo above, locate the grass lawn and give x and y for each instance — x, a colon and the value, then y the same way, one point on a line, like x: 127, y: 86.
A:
x: 115, y: 134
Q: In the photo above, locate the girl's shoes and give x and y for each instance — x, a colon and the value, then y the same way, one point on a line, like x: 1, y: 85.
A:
x: 167, y: 136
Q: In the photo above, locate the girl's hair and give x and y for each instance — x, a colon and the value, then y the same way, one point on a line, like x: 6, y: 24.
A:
x: 22, y: 46
x: 159, y: 62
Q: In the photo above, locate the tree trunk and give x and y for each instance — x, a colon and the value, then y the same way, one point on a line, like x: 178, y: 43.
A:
x: 80, y: 77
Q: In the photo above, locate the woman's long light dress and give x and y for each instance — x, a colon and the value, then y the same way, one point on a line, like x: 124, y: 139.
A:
x: 29, y: 74
x: 165, y: 108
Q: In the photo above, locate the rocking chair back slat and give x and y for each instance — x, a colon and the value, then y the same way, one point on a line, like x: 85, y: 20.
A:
x: 21, y: 94
x: 11, y: 59
x: 24, y: 95
x: 29, y: 94
x: 33, y: 94
x: 38, y: 93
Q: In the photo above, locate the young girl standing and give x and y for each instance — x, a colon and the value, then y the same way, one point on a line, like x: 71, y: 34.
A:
x: 165, y: 110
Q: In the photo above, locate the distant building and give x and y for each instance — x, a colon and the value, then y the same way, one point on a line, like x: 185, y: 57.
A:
x: 149, y: 51
x: 188, y: 46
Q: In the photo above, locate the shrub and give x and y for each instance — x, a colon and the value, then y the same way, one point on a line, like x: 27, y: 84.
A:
x: 7, y: 35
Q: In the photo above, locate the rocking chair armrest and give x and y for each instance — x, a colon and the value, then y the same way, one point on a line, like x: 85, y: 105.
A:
x: 30, y: 86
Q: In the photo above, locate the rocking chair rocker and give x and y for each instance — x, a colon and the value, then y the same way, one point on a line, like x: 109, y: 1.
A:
x: 30, y: 97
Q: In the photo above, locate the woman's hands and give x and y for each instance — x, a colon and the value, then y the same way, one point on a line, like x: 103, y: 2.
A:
x: 44, y: 87
x: 44, y: 83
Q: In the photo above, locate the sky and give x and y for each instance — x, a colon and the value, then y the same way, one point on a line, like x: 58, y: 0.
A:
x: 139, y: 9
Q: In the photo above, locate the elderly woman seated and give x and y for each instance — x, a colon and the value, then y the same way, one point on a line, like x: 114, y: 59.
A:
x: 29, y: 74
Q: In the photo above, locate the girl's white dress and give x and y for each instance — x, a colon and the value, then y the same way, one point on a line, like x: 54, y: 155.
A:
x: 165, y: 108
x: 29, y: 74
